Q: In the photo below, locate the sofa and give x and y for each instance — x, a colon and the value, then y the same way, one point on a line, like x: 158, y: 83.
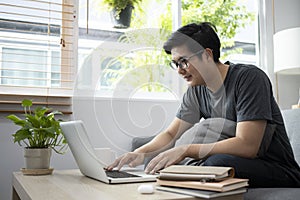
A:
x: 292, y: 122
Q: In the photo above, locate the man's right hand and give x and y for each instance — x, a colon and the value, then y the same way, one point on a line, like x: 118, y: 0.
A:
x: 132, y: 159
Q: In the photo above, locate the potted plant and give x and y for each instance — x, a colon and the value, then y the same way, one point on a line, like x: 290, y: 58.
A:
x: 121, y: 11
x: 41, y: 133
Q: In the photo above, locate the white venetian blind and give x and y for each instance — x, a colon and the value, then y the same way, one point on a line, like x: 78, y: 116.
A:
x: 37, y: 53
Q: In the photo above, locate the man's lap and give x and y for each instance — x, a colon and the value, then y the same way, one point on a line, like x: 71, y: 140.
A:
x: 260, y: 173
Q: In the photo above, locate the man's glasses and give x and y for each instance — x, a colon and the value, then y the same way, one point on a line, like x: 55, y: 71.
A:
x: 182, y: 63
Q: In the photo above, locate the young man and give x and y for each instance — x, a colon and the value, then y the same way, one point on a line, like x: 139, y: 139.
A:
x: 236, y: 103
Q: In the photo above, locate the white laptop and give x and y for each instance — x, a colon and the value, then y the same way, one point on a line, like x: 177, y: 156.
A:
x: 89, y: 164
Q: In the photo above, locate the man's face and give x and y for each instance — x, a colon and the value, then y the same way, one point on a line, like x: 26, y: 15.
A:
x: 195, y: 67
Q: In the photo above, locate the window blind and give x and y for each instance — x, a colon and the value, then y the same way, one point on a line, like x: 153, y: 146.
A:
x: 38, y: 49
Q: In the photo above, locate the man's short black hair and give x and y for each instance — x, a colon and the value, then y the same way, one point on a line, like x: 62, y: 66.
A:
x: 195, y: 36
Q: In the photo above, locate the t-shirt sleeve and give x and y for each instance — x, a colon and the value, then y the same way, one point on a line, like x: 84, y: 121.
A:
x: 254, y: 93
x: 189, y: 108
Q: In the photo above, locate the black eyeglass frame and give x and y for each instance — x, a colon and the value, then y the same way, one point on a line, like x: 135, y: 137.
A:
x: 182, y: 62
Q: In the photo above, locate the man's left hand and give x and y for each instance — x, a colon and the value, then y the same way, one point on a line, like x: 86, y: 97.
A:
x: 167, y: 158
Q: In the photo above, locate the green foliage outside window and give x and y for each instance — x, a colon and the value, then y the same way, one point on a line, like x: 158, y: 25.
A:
x: 227, y: 15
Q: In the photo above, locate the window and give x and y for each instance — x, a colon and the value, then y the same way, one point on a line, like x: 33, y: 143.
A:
x: 246, y: 45
x: 38, y: 48
x: 37, y: 52
x: 131, y: 63
x: 110, y: 57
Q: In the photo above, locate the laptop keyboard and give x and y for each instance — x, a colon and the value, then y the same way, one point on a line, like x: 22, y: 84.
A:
x: 119, y: 174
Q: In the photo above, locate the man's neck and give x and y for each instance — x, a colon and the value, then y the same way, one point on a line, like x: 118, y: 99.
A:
x: 218, y: 79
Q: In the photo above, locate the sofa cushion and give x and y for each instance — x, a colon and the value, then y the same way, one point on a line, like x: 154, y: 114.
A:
x: 140, y: 141
x: 272, y: 194
x: 292, y: 123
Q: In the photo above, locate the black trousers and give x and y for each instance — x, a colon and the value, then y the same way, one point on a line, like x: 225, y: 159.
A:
x: 260, y: 173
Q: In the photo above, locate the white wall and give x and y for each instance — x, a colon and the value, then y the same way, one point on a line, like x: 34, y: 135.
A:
x: 117, y: 121
x: 287, y: 15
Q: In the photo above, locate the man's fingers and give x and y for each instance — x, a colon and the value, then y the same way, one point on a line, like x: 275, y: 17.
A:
x: 125, y: 160
x: 114, y: 164
x: 134, y: 163
x: 154, y: 164
x: 132, y: 159
x: 160, y: 165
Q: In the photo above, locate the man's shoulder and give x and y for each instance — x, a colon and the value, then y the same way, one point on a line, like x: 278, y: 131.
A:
x: 245, y: 69
x: 242, y: 66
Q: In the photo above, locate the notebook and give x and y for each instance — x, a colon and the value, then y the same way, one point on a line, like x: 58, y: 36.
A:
x: 89, y: 164
x: 206, y: 194
x: 187, y: 172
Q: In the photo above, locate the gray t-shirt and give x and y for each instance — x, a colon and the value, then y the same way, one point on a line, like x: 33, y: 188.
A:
x: 245, y: 95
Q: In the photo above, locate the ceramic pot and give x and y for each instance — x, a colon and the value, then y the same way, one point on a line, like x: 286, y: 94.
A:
x: 36, y: 158
x: 122, y: 20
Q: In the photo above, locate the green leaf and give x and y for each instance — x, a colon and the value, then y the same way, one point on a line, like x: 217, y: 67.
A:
x: 33, y: 120
x: 22, y: 134
x: 40, y: 111
x: 55, y: 112
x: 26, y: 103
x: 14, y: 118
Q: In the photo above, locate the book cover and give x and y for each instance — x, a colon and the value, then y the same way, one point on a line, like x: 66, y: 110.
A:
x: 237, y: 194
x: 184, y: 172
x: 219, y: 186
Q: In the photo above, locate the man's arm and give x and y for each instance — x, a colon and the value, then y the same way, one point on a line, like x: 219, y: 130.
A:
x: 165, y: 139
x: 161, y: 142
x: 246, y: 143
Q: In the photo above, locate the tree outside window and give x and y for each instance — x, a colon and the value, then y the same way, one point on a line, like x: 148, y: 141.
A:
x: 145, y: 68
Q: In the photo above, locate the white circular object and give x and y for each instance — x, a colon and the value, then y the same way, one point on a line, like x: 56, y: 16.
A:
x: 146, y: 189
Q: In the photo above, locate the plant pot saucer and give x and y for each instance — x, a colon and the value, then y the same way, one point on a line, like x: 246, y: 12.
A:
x: 37, y: 172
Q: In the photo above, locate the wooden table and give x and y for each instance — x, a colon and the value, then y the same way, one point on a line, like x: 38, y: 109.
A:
x: 71, y: 184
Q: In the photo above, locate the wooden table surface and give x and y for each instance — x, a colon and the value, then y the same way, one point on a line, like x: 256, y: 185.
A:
x: 71, y: 184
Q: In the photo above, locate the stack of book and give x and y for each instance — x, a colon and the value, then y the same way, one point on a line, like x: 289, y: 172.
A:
x: 203, y: 182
